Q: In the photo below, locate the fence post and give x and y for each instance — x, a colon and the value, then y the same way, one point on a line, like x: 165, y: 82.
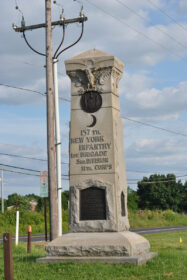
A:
x: 8, y: 259
x: 17, y: 228
x: 29, y: 228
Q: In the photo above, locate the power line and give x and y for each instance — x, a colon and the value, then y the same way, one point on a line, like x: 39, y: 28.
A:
x: 24, y: 173
x: 22, y: 168
x: 24, y: 89
x: 164, y: 13
x: 65, y: 99
x: 65, y: 163
x: 153, y: 172
x: 159, y: 181
x: 27, y: 169
x: 154, y: 126
x: 19, y: 172
x: 134, y: 29
x: 156, y: 27
x: 26, y: 157
x: 31, y: 64
x: 32, y: 91
x: 128, y: 170
x: 132, y: 183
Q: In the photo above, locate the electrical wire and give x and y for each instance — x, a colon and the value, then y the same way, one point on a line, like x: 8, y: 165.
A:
x: 28, y: 44
x: 24, y: 173
x: 165, y: 14
x: 26, y: 157
x: 134, y: 29
x: 33, y: 91
x: 27, y: 169
x: 24, y: 89
x: 126, y: 118
x: 159, y: 181
x: 73, y: 43
x: 63, y: 37
x: 154, y: 126
x: 155, y: 27
x: 22, y: 168
x: 135, y: 171
x: 19, y: 172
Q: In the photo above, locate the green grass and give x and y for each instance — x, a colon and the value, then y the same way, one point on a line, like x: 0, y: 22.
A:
x: 171, y: 263
x: 35, y: 219
x: 156, y: 218
x: 138, y: 219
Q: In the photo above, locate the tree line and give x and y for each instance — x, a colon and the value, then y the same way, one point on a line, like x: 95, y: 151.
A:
x: 153, y: 192
x: 21, y: 202
x: 159, y: 192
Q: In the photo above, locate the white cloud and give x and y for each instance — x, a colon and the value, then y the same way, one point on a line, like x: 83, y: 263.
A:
x: 139, y: 98
x: 157, y: 155
x: 183, y: 6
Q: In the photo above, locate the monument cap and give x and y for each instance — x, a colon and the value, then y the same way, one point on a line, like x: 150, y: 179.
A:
x: 94, y: 59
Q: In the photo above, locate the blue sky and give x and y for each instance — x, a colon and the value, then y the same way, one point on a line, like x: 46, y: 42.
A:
x: 148, y: 36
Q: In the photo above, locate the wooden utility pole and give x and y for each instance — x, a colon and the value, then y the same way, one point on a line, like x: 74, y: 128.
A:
x: 51, y: 145
x: 50, y: 126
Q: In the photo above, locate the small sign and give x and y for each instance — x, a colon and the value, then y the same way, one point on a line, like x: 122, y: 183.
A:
x: 43, y: 184
x: 43, y: 177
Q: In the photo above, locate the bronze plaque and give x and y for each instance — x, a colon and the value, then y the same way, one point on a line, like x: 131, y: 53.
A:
x: 92, y: 204
x: 91, y: 101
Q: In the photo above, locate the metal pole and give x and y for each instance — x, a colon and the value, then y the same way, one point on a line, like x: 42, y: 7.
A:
x: 45, y: 218
x: 2, y: 196
x: 50, y: 127
x: 58, y: 147
x: 17, y: 228
x: 8, y: 259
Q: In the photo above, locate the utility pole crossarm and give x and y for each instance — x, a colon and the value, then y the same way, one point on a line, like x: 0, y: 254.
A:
x: 54, y: 23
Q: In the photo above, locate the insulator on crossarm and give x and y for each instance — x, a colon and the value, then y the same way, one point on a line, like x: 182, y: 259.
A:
x: 23, y: 22
x: 82, y: 12
x: 14, y: 26
x: 62, y: 15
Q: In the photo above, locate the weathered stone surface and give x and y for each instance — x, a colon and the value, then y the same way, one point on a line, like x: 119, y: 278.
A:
x: 99, y: 244
x: 96, y: 140
x: 136, y: 260
x: 97, y: 170
x: 110, y: 247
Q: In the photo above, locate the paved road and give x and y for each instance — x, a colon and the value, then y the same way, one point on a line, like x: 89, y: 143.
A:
x: 41, y: 237
x: 157, y: 230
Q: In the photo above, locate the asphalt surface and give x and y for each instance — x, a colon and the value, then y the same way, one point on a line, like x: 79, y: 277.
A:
x: 41, y: 237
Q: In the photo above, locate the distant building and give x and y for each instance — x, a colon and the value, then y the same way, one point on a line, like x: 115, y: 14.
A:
x: 32, y: 203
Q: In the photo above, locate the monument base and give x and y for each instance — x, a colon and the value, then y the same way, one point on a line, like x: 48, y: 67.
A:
x: 105, y: 247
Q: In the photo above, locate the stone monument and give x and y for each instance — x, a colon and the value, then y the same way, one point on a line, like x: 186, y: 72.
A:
x: 98, y: 216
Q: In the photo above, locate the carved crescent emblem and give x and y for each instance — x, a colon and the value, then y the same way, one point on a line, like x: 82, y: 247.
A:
x: 94, y: 120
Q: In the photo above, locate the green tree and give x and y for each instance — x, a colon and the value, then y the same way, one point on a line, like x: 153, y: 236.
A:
x: 5, y: 204
x: 160, y: 192
x: 184, y: 199
x: 40, y: 204
x: 17, y: 200
x: 132, y: 199
x: 65, y: 199
x: 32, y: 197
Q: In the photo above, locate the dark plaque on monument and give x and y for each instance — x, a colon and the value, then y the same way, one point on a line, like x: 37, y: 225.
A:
x: 91, y: 101
x: 92, y: 204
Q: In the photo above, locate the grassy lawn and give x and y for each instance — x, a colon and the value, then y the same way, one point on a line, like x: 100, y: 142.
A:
x: 170, y: 264
x: 138, y: 219
x: 156, y: 218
